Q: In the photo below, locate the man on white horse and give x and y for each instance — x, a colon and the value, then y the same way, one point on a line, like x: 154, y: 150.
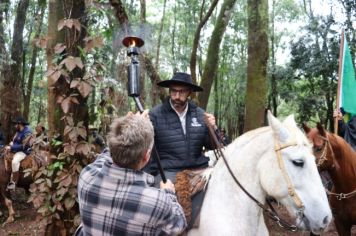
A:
x: 20, y: 145
x: 181, y: 133
x: 180, y: 129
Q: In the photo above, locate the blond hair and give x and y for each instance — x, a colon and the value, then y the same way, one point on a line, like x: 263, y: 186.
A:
x: 129, y: 138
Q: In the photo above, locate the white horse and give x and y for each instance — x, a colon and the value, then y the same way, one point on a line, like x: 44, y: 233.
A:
x: 254, y: 160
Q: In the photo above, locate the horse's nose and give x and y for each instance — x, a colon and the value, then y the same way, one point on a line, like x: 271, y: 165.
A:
x: 326, y: 220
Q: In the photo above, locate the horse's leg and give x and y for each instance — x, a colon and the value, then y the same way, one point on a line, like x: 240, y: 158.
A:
x: 8, y: 204
x: 343, y: 228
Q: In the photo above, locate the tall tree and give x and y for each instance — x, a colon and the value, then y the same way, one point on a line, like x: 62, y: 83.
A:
x: 12, y: 73
x: 202, y: 22
x: 55, y: 14
x: 256, y: 93
x: 28, y: 89
x: 160, y: 35
x: 212, y: 58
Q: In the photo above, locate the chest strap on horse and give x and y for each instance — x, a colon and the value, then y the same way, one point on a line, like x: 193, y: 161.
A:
x: 341, y: 196
x: 269, y: 211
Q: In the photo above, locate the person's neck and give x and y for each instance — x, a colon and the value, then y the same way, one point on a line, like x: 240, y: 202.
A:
x: 181, y: 109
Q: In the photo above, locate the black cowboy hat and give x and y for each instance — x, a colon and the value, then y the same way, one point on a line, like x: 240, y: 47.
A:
x: 182, y: 79
x: 20, y: 120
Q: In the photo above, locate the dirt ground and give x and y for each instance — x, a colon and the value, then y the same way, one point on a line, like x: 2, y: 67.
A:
x: 26, y: 219
x: 27, y: 223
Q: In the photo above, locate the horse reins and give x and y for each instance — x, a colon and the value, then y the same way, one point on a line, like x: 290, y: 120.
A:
x: 322, y: 159
x: 271, y: 213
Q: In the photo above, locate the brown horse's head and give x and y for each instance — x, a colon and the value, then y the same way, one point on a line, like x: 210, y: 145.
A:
x: 322, y: 149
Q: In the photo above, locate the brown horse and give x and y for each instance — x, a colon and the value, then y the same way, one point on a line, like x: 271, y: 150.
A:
x: 336, y: 156
x: 34, y: 161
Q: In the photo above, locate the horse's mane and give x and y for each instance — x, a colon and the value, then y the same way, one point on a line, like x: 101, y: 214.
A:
x: 244, y: 139
x: 342, y: 149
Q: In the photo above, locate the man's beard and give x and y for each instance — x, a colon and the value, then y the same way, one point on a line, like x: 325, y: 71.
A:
x: 178, y: 104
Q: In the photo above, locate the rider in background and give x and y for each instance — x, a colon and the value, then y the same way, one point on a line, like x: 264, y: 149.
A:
x: 224, y: 138
x: 21, y: 146
x: 98, y: 142
x: 346, y: 130
x: 2, y: 137
x: 41, y: 136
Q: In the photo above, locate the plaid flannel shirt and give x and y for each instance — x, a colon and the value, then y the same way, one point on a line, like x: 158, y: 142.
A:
x: 119, y: 201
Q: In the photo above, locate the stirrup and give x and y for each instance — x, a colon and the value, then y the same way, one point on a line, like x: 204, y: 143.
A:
x: 11, y: 185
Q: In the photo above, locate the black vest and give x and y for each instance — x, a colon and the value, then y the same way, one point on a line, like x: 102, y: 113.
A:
x: 176, y: 150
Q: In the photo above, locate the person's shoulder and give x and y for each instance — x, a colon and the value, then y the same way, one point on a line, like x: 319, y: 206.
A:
x: 159, y: 108
x: 193, y: 105
x: 27, y: 130
x: 156, y: 108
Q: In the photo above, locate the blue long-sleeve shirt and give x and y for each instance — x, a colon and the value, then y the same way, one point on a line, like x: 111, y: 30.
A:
x: 18, y: 142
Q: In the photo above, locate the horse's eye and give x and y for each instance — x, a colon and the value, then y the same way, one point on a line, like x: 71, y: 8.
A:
x: 317, y: 149
x: 299, y: 163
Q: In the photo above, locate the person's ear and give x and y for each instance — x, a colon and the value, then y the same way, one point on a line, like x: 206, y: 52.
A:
x: 146, y: 157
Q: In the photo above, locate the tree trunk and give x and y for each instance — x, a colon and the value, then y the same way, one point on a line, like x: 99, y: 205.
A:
x: 10, y: 93
x: 55, y: 13
x: 74, y: 42
x: 160, y: 35
x: 31, y: 76
x: 212, y: 58
x: 193, y: 56
x: 256, y: 93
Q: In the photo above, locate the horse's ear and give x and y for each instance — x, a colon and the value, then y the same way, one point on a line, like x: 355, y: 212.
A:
x: 321, y: 129
x: 305, y: 127
x: 278, y: 129
x: 290, y: 121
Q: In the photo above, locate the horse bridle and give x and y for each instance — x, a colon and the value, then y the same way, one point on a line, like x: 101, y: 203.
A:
x: 271, y: 213
x: 322, y: 159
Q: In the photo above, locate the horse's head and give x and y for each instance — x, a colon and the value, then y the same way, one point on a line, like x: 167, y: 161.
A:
x: 322, y: 148
x: 296, y: 182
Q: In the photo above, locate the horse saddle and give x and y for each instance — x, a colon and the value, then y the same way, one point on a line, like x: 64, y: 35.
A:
x: 190, y: 188
x: 30, y: 162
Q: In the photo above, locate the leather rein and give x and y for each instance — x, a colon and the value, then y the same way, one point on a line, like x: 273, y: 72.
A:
x: 322, y: 159
x: 270, y: 211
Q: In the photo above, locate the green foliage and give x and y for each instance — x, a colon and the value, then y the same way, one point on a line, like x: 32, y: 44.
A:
x: 315, y: 63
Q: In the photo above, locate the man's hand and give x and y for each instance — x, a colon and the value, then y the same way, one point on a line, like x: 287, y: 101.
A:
x: 337, y: 114
x: 167, y: 185
x: 210, y: 120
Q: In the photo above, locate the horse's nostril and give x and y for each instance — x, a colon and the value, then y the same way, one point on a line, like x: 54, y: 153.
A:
x: 326, y: 220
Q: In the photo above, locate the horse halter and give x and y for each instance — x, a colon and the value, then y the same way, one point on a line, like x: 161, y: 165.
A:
x: 291, y: 190
x: 270, y: 212
x: 323, y: 157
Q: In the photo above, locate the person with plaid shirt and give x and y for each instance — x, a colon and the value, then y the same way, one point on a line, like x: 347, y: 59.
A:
x: 116, y: 197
